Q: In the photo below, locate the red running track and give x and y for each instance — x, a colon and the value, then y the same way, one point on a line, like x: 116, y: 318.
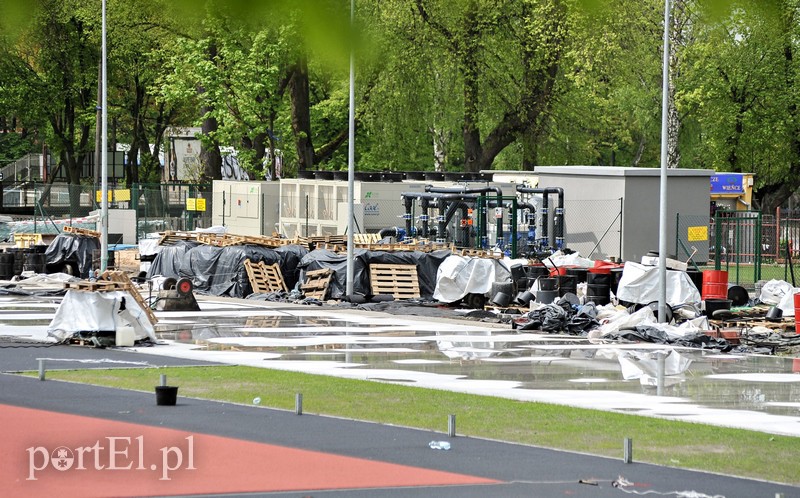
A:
x: 55, y: 454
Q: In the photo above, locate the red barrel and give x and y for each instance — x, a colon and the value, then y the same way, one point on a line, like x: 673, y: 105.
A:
x: 715, y: 284
x: 796, y: 313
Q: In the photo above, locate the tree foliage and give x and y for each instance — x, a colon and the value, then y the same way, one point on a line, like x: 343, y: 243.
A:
x: 440, y: 84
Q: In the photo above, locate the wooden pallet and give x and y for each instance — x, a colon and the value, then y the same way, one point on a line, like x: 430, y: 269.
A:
x: 94, y: 286
x: 81, y: 231
x: 366, y: 238
x: 121, y: 278
x: 317, y: 283
x: 401, y: 281
x: 170, y: 238
x: 331, y: 239
x: 264, y: 278
x: 480, y: 253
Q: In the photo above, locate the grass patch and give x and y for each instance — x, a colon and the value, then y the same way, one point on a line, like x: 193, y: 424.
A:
x: 676, y: 444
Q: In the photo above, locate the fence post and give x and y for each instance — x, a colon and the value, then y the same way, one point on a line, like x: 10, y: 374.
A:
x: 620, y: 229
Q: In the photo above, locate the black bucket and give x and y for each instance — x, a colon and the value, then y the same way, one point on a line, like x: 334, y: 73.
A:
x: 598, y: 278
x: 166, y: 395
x: 501, y: 299
x: 738, y: 295
x: 524, y: 298
x: 546, y: 296
x: 536, y: 271
x: 548, y: 284
x: 713, y: 305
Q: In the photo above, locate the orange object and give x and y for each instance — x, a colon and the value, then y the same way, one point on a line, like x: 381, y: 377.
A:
x: 715, y: 284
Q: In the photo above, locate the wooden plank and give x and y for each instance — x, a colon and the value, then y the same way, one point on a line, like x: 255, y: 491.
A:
x: 317, y: 283
x: 401, y: 281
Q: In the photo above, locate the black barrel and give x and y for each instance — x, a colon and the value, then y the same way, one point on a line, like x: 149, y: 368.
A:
x: 19, y: 256
x: 616, y: 276
x: 6, y: 265
x: 567, y: 283
x: 696, y: 276
x: 599, y: 294
x: 598, y: 278
x: 580, y: 274
x: 34, y: 261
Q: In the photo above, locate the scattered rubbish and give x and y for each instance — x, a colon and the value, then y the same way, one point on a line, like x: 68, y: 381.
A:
x: 439, y: 445
x: 256, y: 400
x: 589, y: 482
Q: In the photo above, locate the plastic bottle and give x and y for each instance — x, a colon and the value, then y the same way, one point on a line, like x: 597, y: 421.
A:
x: 439, y: 445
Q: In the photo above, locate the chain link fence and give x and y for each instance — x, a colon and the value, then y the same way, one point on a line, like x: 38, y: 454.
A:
x: 593, y: 228
x: 150, y: 208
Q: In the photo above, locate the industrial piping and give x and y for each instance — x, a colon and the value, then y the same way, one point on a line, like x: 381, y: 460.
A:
x: 558, y: 219
x: 480, y: 190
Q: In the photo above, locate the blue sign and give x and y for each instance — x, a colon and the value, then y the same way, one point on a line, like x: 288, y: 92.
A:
x: 727, y: 183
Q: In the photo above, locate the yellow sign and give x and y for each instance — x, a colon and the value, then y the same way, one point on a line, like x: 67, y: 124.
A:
x: 122, y: 195
x: 697, y: 234
x: 99, y: 196
x: 201, y: 204
x: 190, y: 204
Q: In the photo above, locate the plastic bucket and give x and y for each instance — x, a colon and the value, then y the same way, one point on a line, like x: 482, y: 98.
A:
x: 713, y: 305
x: 546, y: 296
x: 501, y: 299
x: 579, y: 274
x: 715, y: 284
x: 796, y: 313
x: 166, y: 395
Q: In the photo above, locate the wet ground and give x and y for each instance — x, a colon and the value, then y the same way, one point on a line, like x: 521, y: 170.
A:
x: 749, y: 391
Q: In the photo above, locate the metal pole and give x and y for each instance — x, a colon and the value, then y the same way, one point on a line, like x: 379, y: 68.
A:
x: 298, y: 403
x: 451, y: 425
x: 661, y: 366
x: 662, y: 232
x: 104, y: 156
x: 42, y: 368
x: 351, y: 148
x: 627, y: 456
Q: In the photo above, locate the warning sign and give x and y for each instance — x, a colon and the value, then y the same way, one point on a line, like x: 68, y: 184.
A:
x: 201, y: 204
x: 697, y: 234
x: 191, y: 203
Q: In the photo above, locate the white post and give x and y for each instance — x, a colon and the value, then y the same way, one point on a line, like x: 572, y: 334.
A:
x: 351, y: 149
x: 104, y: 155
x: 662, y: 231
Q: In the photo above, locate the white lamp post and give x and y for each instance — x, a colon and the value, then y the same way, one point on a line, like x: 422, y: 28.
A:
x: 662, y: 231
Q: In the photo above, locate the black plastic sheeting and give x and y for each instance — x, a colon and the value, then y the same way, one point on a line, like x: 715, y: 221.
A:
x: 73, y: 250
x: 427, y: 266
x: 652, y: 334
x: 220, y: 271
x: 167, y: 261
x: 561, y: 317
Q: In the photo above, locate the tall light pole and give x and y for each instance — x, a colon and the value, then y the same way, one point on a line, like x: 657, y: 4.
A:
x: 351, y: 150
x: 662, y: 230
x: 104, y: 154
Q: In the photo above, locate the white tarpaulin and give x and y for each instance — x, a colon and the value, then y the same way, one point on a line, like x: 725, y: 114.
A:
x: 458, y: 276
x: 82, y: 311
x: 639, y: 284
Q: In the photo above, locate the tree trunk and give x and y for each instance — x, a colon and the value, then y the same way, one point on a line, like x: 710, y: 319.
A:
x: 301, y: 115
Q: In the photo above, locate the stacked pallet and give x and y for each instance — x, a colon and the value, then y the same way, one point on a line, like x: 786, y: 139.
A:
x: 114, y: 281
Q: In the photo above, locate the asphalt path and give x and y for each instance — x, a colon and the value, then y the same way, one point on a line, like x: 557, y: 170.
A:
x: 504, y: 469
